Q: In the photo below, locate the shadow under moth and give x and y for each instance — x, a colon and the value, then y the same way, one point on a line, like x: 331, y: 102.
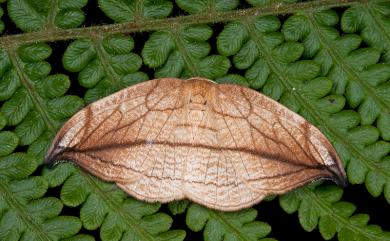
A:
x: 221, y: 145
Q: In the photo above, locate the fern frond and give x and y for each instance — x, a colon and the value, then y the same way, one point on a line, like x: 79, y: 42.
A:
x: 178, y: 207
x: 34, y: 101
x: 8, y: 142
x: 321, y: 206
x: 182, y: 52
x: 364, y: 82
x: 227, y: 226
x: 267, y: 59
x: 24, y: 212
x: 274, y: 8
x: 372, y: 19
x: 105, y: 64
x: 31, y: 15
x: 207, y: 6
x: 106, y: 207
x: 135, y: 11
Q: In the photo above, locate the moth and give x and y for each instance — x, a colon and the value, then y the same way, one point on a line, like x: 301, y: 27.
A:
x: 220, y: 145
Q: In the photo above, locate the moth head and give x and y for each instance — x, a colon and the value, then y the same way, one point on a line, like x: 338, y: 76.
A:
x: 198, y: 92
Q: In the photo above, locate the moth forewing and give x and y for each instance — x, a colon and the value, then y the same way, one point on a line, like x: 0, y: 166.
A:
x: 221, y: 145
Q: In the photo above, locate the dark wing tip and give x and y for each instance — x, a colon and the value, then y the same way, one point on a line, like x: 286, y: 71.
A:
x: 338, y: 175
x: 50, y: 161
x: 54, y: 156
x: 342, y: 181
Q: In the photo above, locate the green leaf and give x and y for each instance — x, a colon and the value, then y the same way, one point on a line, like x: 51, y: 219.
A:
x: 375, y: 183
x: 178, y: 207
x: 182, y: 53
x: 104, y: 205
x: 34, y: 52
x: 372, y: 22
x: 40, y: 146
x: 105, y: 64
x: 8, y: 142
x: 289, y: 202
x: 23, y: 209
x: 53, y: 86
x: 199, y: 6
x: 17, y: 107
x: 358, y: 76
x: 9, y: 83
x: 123, y: 11
x: 228, y: 225
x: 3, y: 121
x: 327, y: 227
x: 31, y: 15
x: 33, y: 92
x: 196, y: 217
x: 16, y: 166
x: 321, y: 206
x: 308, y: 215
x: 355, y: 72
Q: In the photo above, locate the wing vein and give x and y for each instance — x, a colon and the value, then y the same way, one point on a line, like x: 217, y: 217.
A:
x: 234, y: 140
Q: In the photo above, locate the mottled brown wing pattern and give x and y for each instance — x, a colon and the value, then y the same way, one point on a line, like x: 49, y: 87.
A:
x: 273, y: 149
x: 223, y: 146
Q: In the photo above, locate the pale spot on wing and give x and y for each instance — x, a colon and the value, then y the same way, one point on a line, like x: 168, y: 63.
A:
x: 319, y: 148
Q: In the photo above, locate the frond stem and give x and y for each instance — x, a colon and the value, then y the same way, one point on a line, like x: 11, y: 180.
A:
x: 50, y: 35
x: 27, y: 83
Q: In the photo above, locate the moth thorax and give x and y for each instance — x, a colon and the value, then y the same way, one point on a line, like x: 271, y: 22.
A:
x: 199, y: 95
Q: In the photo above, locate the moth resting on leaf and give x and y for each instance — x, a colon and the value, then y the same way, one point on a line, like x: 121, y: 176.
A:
x: 221, y: 145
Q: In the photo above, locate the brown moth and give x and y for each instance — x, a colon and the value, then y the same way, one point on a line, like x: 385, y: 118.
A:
x: 221, y: 145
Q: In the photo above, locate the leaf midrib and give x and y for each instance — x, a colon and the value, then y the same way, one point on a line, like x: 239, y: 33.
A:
x: 34, y: 96
x: 344, y: 221
x: 103, y: 58
x: 22, y: 213
x: 113, y: 205
x: 188, y: 60
x: 226, y: 223
x: 52, y: 15
x: 353, y: 76
x: 139, y: 9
